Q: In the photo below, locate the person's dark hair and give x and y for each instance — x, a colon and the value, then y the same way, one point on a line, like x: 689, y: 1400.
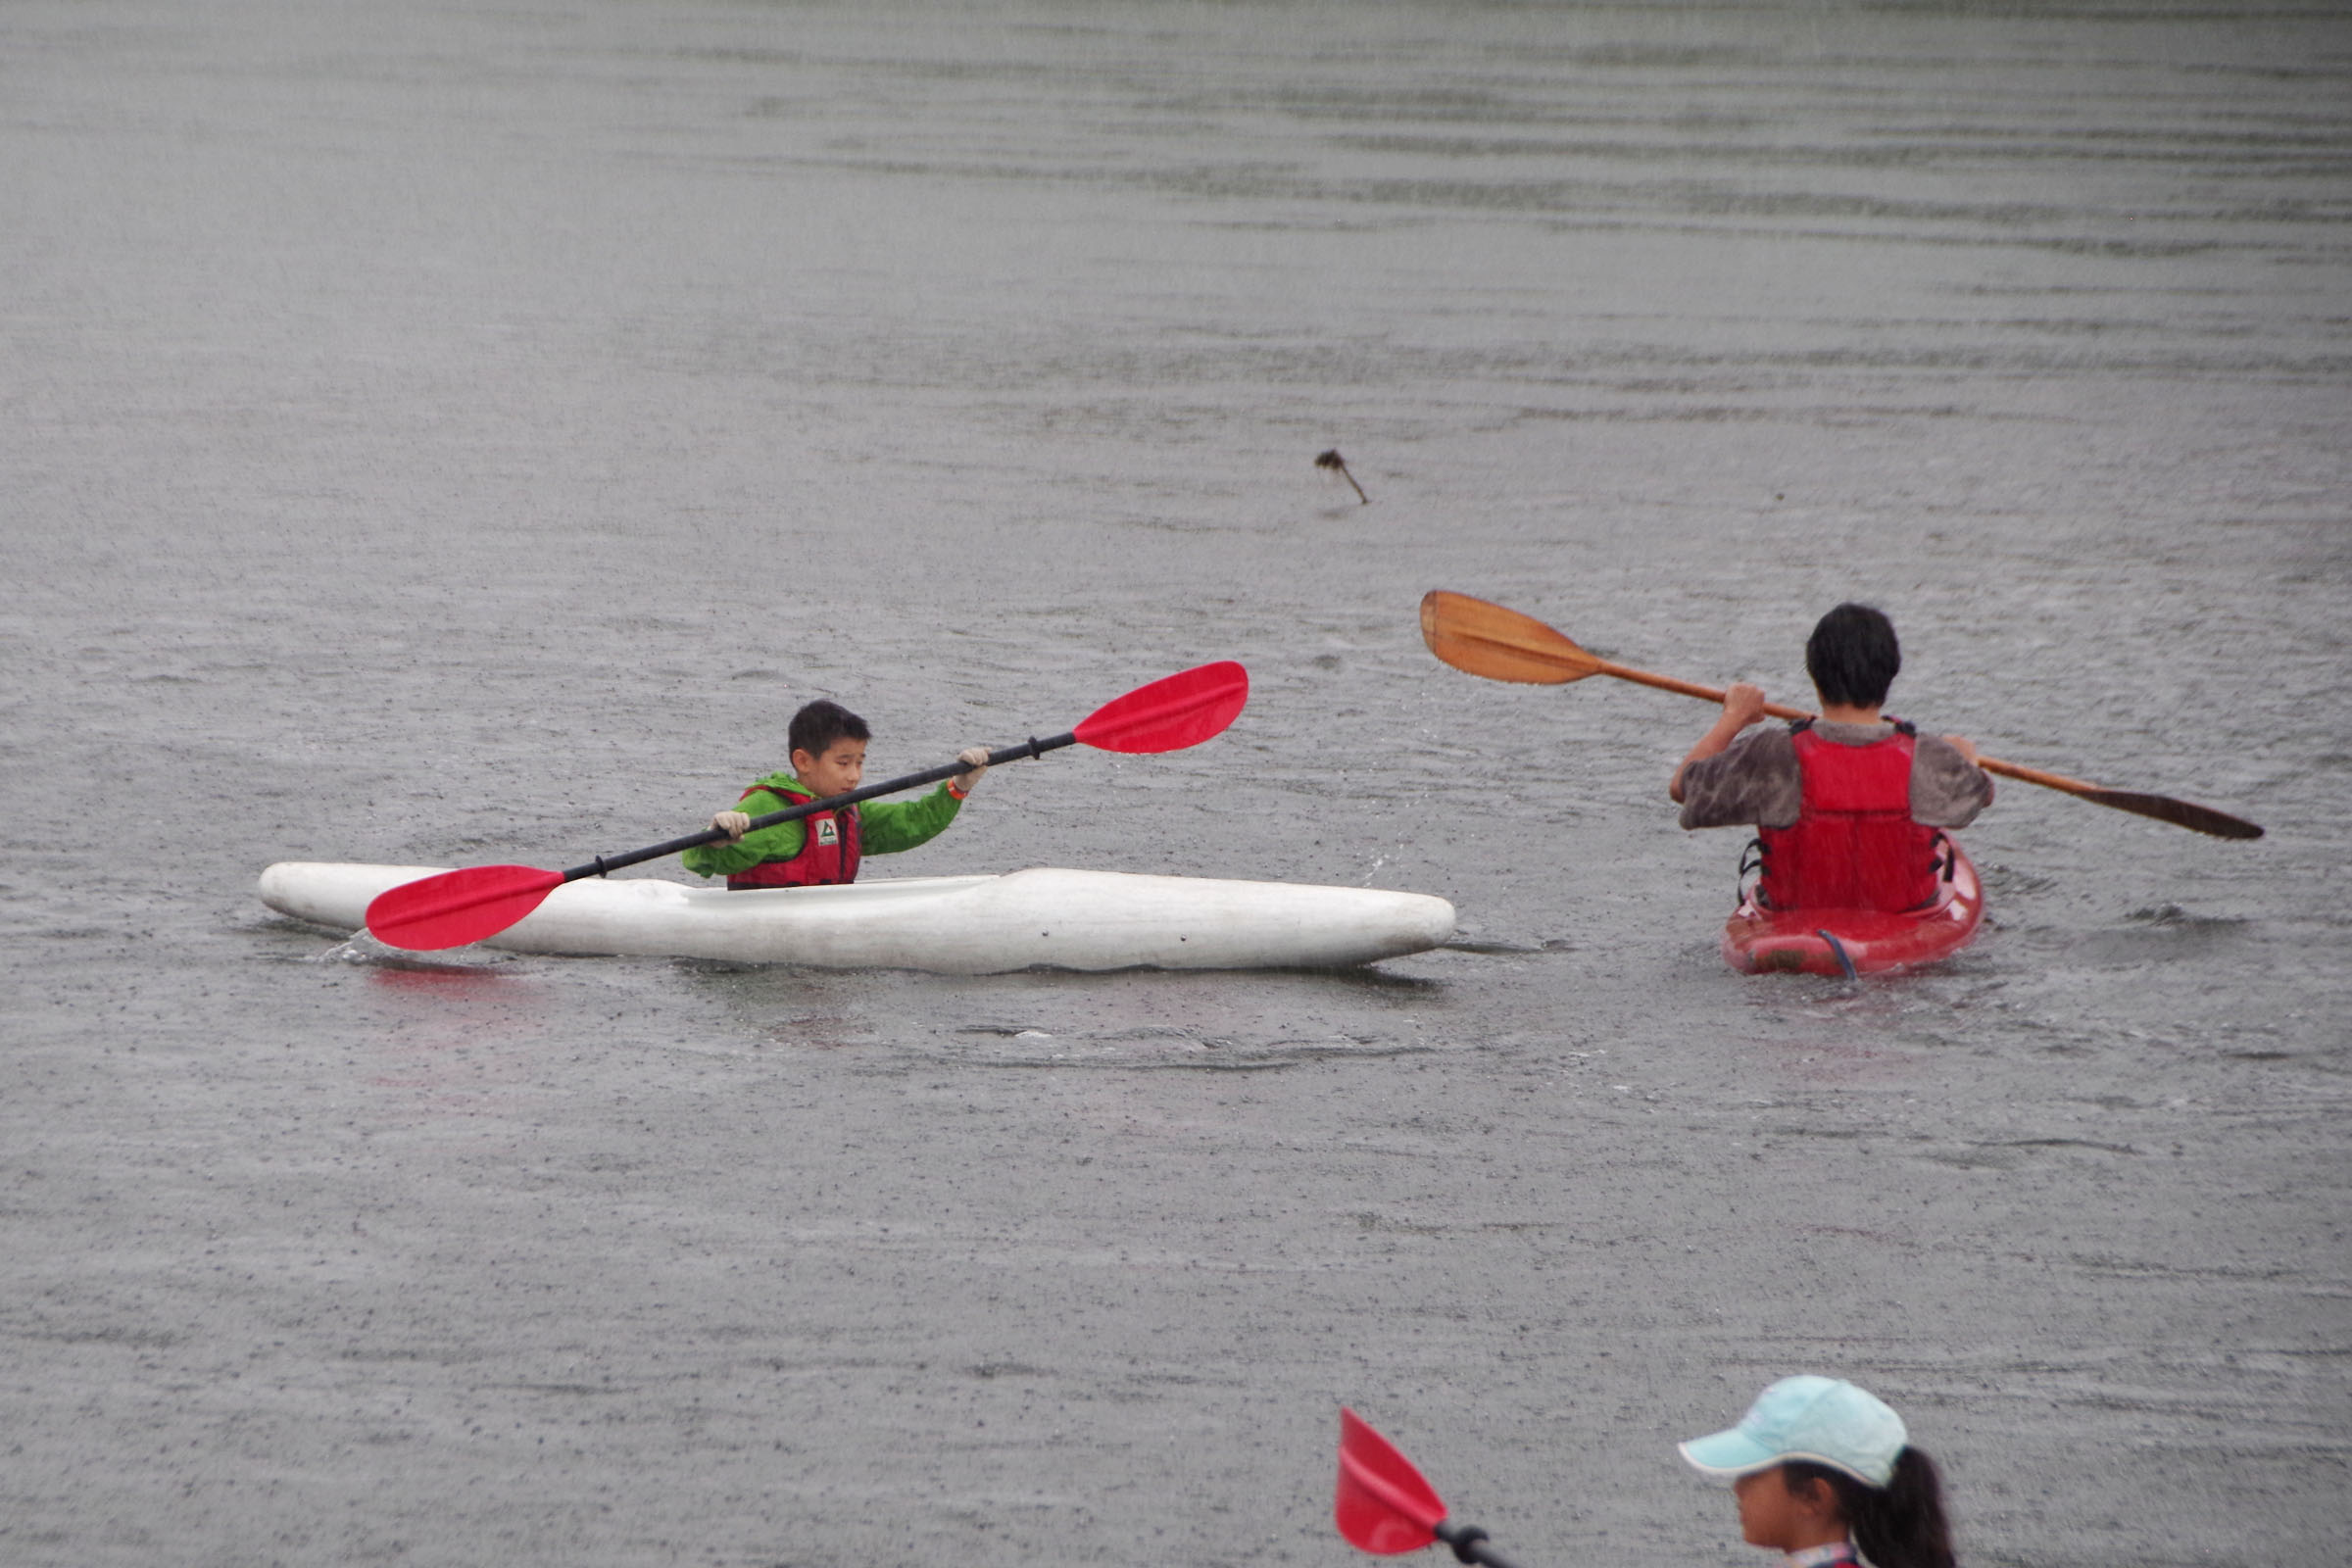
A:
x: 1852, y: 656
x: 1900, y: 1525
x: 816, y: 727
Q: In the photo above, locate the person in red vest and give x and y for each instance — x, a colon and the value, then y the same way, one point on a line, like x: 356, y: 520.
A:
x: 1847, y: 807
x: 828, y: 757
x: 1824, y: 1472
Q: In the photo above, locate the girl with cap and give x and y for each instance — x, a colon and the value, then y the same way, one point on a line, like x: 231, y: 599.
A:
x: 1821, y: 1468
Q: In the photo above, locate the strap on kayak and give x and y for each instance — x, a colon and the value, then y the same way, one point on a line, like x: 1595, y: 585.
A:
x: 1944, y: 861
x: 1751, y: 862
x: 1838, y: 948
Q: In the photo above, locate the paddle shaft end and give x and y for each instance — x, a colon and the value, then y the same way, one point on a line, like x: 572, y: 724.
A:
x: 1469, y: 1545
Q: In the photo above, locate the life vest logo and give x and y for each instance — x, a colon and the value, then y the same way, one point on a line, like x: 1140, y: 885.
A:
x: 828, y: 831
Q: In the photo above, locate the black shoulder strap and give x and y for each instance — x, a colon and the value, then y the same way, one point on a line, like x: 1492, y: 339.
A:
x: 1797, y: 727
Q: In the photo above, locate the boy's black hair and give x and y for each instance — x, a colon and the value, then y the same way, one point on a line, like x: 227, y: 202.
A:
x: 1852, y: 656
x: 816, y: 727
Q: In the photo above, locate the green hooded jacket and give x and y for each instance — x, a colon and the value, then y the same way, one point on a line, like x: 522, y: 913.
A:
x: 884, y: 827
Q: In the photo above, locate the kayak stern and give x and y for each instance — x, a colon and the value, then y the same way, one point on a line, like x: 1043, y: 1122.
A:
x: 1855, y: 942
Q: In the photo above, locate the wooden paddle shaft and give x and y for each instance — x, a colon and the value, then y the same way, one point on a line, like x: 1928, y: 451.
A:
x: 2035, y: 775
x: 1687, y: 688
x: 1469, y: 1545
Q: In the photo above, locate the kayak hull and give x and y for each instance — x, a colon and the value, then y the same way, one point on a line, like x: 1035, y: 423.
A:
x: 1044, y: 917
x: 1840, y: 941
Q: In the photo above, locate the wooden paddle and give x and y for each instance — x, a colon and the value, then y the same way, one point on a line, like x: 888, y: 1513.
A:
x: 1383, y: 1506
x: 453, y: 907
x: 1504, y: 645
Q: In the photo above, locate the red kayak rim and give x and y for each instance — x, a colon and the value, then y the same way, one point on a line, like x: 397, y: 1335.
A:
x: 1826, y: 942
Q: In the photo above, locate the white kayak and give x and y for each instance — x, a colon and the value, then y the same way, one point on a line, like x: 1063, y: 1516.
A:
x: 1044, y: 917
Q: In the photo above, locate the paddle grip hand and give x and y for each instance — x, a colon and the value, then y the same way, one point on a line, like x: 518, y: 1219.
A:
x: 1742, y: 703
x: 975, y: 760
x: 733, y: 824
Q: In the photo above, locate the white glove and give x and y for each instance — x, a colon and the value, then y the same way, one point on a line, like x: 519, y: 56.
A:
x: 975, y: 761
x: 732, y: 823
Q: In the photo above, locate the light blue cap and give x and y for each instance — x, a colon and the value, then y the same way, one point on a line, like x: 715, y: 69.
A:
x: 1826, y: 1420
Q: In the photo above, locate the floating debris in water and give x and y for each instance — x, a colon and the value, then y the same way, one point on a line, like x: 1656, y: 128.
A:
x: 1333, y: 464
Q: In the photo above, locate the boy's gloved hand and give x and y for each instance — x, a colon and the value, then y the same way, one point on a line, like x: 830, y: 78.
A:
x: 975, y: 761
x: 732, y: 823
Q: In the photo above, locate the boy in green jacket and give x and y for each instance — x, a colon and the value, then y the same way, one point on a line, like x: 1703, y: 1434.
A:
x: 828, y: 757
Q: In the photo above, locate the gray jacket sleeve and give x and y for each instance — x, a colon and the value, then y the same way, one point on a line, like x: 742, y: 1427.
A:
x: 1754, y: 781
x: 1947, y: 790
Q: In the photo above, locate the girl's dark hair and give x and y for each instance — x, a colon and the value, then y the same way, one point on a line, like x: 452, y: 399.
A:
x: 1900, y: 1525
x: 1852, y: 656
x: 816, y: 727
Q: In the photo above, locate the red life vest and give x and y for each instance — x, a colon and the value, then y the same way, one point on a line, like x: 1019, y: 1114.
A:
x: 828, y: 848
x: 1853, y: 845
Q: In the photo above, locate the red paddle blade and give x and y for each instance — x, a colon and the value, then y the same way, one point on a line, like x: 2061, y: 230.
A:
x: 456, y: 908
x: 1382, y: 1505
x: 1182, y: 710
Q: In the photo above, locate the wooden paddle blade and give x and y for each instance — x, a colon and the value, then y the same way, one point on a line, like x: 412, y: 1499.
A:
x: 1382, y: 1506
x: 1172, y: 712
x: 2181, y: 813
x: 1500, y: 644
x: 2163, y: 808
x: 456, y: 908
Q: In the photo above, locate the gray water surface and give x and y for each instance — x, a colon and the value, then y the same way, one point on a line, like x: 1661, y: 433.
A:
x: 446, y: 434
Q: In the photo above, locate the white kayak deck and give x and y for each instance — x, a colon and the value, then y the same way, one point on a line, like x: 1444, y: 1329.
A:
x: 1045, y: 917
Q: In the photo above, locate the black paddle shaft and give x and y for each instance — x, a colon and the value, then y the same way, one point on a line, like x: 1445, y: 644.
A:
x: 1469, y: 1544
x: 1032, y: 747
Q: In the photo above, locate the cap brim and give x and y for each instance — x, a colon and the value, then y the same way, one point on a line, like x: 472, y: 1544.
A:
x: 1728, y: 1455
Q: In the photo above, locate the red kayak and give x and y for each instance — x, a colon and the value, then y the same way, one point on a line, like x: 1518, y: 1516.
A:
x: 1858, y: 942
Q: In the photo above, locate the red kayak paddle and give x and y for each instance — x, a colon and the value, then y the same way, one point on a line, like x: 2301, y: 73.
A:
x: 455, y: 907
x: 1385, y: 1506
